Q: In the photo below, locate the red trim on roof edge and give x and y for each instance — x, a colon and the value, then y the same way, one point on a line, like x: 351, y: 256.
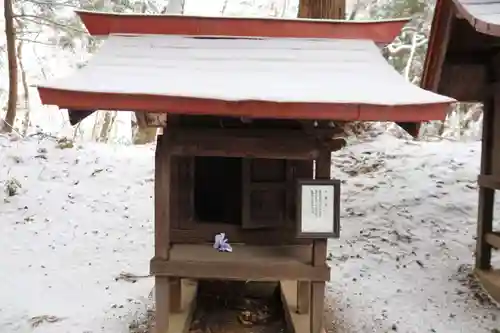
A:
x: 98, y: 23
x: 254, y: 109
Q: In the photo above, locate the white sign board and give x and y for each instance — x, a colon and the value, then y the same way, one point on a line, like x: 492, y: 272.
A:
x: 317, y: 208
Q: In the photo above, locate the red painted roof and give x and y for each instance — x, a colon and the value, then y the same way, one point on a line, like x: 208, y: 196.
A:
x: 262, y: 77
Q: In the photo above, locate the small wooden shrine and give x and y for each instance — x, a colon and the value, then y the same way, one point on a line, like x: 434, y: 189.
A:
x: 245, y: 106
x: 463, y: 62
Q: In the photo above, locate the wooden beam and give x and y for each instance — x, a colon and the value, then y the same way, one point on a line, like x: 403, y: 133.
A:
x: 286, y: 144
x: 493, y: 238
x: 204, y: 232
x: 489, y: 181
x: 233, y: 270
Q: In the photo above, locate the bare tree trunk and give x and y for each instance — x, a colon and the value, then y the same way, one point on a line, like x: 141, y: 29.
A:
x: 107, y: 125
x: 175, y: 6
x: 10, y: 31
x: 96, y: 126
x: 24, y: 80
x: 322, y: 9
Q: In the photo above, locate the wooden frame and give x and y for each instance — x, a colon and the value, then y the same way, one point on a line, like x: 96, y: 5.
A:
x: 335, y: 184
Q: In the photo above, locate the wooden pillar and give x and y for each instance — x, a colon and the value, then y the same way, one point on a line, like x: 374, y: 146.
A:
x: 323, y: 171
x: 486, y: 195
x: 303, y: 296
x: 175, y: 294
x: 162, y: 231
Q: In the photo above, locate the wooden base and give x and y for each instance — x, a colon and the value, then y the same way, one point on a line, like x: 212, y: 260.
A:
x: 490, y: 280
x: 179, y: 322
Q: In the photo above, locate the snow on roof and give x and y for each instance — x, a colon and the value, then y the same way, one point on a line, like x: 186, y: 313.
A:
x: 291, y: 70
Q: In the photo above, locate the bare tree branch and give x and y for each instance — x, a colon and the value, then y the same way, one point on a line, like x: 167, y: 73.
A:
x: 65, y: 3
x: 36, y: 41
x: 48, y: 22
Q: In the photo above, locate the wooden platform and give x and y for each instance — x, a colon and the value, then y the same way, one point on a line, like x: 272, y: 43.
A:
x: 264, y: 263
x: 490, y: 280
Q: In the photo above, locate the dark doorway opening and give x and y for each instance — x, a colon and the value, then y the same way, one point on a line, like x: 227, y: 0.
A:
x: 218, y: 189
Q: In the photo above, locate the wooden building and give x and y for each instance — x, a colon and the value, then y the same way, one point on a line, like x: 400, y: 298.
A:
x: 249, y: 105
x: 463, y: 62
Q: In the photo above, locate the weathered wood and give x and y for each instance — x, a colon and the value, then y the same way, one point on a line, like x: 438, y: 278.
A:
x: 265, y: 271
x: 162, y: 303
x: 296, y: 322
x: 323, y: 171
x: 489, y: 181
x: 264, y: 193
x: 287, y: 144
x: 490, y: 280
x: 269, y: 263
x: 175, y: 295
x: 486, y: 195
x: 455, y: 82
x: 493, y: 239
x: 204, y: 232
x: 185, y: 193
x: 303, y: 296
x: 300, y: 170
x: 162, y: 231
x: 162, y: 198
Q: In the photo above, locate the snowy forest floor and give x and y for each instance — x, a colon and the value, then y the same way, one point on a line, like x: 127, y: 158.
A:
x: 75, y: 219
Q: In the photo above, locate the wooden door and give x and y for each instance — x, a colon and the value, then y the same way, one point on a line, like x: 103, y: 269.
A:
x: 269, y: 187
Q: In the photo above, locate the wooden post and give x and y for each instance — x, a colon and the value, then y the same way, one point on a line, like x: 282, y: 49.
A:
x: 486, y: 195
x: 175, y: 295
x: 323, y: 171
x: 303, y: 296
x: 162, y: 231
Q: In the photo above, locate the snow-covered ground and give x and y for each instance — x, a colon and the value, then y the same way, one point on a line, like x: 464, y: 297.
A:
x: 83, y: 215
